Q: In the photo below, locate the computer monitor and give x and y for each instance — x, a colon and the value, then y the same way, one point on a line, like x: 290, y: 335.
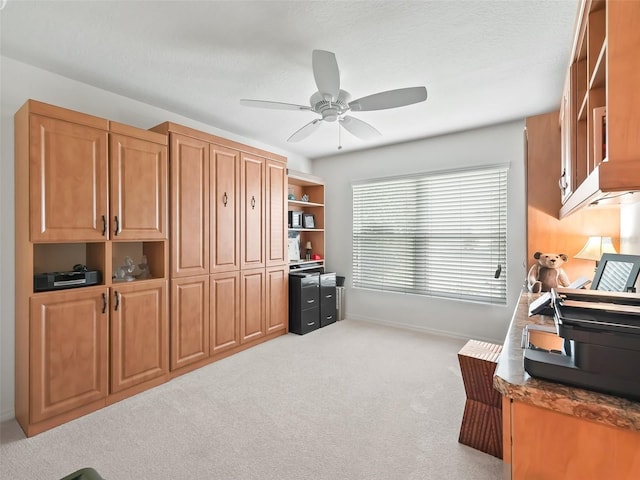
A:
x: 617, y: 273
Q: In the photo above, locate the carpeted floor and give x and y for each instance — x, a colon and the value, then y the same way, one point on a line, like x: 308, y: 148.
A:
x: 350, y: 401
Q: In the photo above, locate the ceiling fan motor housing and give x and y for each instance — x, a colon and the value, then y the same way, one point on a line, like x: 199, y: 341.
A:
x: 330, y: 111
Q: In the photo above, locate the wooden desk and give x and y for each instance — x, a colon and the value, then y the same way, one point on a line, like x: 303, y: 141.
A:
x: 552, y: 431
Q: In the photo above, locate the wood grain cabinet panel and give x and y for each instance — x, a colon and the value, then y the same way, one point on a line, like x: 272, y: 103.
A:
x: 68, y: 352
x: 277, y: 298
x: 225, y: 311
x: 189, y: 320
x: 138, y: 177
x: 276, y: 213
x: 139, y: 333
x: 225, y: 209
x: 68, y: 181
x: 252, y: 216
x: 189, y: 206
x: 252, y: 309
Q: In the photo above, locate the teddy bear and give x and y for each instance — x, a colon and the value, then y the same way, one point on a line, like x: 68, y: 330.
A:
x: 547, y: 273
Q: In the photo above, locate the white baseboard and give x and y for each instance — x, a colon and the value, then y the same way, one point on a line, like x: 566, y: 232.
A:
x: 417, y: 328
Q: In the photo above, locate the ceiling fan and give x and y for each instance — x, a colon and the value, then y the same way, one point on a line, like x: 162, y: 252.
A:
x: 332, y: 103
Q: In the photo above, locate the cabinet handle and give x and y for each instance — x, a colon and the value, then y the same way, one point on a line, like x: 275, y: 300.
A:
x: 104, y: 302
x: 329, y: 317
x: 224, y: 199
x: 104, y: 226
x: 117, y: 295
x: 117, y: 225
x: 310, y: 323
x: 328, y: 296
x: 310, y: 301
x: 562, y: 184
x: 253, y: 202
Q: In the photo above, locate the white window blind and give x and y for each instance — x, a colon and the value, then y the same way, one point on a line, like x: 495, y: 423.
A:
x: 442, y: 235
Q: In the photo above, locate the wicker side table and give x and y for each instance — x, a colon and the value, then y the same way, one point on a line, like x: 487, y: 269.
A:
x: 482, y: 419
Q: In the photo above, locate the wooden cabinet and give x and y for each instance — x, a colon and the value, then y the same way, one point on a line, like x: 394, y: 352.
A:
x: 276, y: 211
x: 277, y: 307
x: 252, y: 245
x: 138, y: 178
x: 225, y: 311
x: 67, y: 164
x: 68, y: 353
x: 252, y: 309
x: 225, y: 209
x: 189, y: 320
x: 600, y: 112
x: 68, y: 177
x: 240, y: 231
x: 189, y: 206
x: 139, y: 333
x: 306, y: 196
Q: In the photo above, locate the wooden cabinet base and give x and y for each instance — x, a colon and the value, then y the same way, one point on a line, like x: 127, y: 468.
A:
x: 225, y: 354
x: 141, y: 387
x: 35, y: 428
x: 547, y: 444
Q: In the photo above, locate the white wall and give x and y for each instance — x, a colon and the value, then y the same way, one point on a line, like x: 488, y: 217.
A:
x: 498, y: 144
x: 20, y: 82
x: 630, y: 229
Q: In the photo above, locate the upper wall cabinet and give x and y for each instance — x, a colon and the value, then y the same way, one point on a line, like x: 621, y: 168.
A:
x: 599, y: 112
x: 68, y: 181
x: 138, y: 177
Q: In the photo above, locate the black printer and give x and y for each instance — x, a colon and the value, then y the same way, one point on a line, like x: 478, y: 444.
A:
x: 601, y: 332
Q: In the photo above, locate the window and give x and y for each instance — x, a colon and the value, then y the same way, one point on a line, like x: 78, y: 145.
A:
x: 441, y: 234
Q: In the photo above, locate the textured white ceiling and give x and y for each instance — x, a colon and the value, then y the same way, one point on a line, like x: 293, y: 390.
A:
x: 482, y: 61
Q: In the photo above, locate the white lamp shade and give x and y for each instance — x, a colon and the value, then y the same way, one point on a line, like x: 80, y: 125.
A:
x: 595, y: 247
x: 308, y: 246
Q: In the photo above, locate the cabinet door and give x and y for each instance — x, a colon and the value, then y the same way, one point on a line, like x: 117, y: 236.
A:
x: 225, y: 209
x: 252, y: 217
x: 276, y: 212
x: 189, y: 320
x: 138, y: 176
x: 252, y: 310
x: 277, y: 298
x: 225, y: 311
x: 139, y: 333
x: 68, y: 181
x: 189, y: 206
x: 69, y: 351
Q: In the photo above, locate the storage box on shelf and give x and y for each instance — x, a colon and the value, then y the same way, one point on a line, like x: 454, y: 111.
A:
x: 306, y: 199
x: 600, y: 161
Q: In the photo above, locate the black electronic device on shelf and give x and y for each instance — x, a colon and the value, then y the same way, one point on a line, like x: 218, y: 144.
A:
x: 80, y: 276
x: 602, y: 342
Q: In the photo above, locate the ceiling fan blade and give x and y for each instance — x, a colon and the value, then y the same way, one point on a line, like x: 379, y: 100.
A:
x: 359, y: 128
x: 326, y: 74
x: 389, y: 99
x: 272, y: 105
x: 305, y: 131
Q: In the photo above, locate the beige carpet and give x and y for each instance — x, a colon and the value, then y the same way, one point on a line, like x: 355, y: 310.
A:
x: 351, y: 401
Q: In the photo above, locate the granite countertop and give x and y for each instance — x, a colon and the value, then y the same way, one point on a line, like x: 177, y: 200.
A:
x: 512, y: 381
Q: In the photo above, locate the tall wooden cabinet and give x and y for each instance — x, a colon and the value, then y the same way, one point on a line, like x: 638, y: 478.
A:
x: 91, y: 192
x: 227, y: 216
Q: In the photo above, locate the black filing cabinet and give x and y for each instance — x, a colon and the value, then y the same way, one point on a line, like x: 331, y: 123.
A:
x: 304, y: 302
x: 328, y: 312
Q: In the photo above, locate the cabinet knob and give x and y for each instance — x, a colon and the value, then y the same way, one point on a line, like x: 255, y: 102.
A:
x: 117, y: 222
x: 225, y: 199
x: 104, y: 226
x: 117, y: 296
x: 562, y: 182
x: 253, y: 202
x: 104, y: 301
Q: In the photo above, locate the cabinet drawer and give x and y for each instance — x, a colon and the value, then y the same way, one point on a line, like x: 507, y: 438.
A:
x: 305, y: 322
x: 328, y: 313
x: 309, y: 297
x: 328, y: 295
